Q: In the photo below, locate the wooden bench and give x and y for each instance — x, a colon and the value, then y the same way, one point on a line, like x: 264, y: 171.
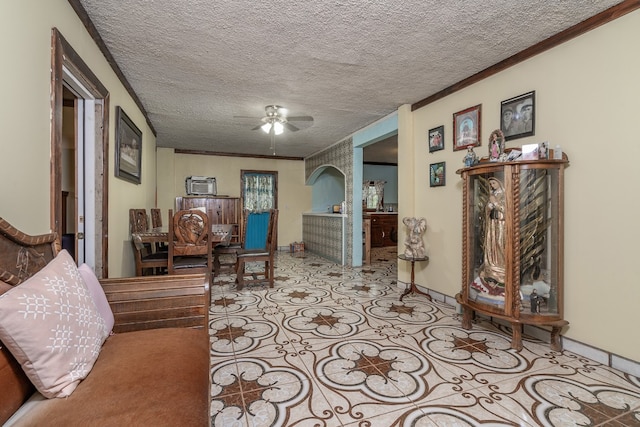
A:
x: 153, y: 370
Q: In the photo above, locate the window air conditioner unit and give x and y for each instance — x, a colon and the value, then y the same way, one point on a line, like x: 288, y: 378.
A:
x: 201, y: 186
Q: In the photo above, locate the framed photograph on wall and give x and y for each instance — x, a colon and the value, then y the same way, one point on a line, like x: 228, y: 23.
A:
x: 437, y: 175
x: 518, y: 116
x: 436, y: 139
x: 128, y: 148
x: 466, y: 128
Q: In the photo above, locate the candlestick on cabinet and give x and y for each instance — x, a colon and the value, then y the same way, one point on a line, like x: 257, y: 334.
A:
x: 512, y: 247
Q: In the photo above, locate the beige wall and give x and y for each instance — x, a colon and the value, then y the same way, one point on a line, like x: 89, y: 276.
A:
x: 25, y: 147
x: 587, y: 93
x: 294, y: 197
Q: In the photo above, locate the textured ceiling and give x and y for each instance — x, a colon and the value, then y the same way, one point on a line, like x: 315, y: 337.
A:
x: 196, y: 65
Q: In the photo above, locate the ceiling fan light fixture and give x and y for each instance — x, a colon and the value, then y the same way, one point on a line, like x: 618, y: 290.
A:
x: 278, y: 127
x: 266, y: 127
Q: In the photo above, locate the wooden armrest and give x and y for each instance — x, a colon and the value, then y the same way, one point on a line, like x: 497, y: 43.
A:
x: 150, y: 302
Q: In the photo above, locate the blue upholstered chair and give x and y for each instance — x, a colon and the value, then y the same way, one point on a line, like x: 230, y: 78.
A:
x: 259, y: 244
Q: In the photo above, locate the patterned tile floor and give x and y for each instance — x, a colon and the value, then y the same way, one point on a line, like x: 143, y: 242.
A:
x: 334, y: 346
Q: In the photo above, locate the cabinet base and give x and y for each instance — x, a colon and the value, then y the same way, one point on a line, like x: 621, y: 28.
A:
x: 555, y: 342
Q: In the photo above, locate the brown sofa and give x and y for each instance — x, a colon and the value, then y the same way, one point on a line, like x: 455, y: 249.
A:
x: 152, y: 371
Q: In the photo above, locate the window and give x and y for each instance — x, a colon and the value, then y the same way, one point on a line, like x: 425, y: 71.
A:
x: 373, y: 195
x: 259, y: 190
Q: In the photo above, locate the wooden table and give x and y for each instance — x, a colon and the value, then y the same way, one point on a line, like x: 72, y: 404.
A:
x: 220, y: 233
x: 413, y: 288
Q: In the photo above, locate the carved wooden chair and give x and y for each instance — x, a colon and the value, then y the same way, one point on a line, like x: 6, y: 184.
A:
x: 226, y: 247
x: 147, y: 259
x: 156, y: 223
x: 138, y: 220
x: 259, y: 244
x: 189, y: 243
x: 156, y: 218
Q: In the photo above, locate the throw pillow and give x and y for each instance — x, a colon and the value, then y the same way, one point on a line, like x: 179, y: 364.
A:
x: 97, y: 293
x: 52, y: 327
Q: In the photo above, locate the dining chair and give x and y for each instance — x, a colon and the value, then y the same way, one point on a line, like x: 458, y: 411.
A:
x: 156, y: 223
x: 156, y: 218
x: 259, y: 244
x: 189, y: 243
x: 146, y: 259
x: 138, y: 220
x: 226, y: 249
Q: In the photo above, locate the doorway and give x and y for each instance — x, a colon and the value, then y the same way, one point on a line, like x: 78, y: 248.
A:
x: 79, y: 156
x: 259, y: 191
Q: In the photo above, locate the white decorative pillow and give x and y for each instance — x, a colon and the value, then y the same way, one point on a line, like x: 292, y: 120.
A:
x: 97, y: 293
x: 52, y: 327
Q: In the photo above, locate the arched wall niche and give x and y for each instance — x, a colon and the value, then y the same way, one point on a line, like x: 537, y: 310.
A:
x: 328, y: 188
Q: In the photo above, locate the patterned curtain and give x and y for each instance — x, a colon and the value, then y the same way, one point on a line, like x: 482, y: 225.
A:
x: 380, y: 192
x: 373, y: 194
x: 259, y: 192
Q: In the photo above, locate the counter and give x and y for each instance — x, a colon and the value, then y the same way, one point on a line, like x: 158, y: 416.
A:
x: 323, y: 233
x: 337, y: 215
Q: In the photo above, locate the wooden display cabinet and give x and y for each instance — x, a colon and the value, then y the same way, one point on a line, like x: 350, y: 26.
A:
x: 512, y: 245
x: 222, y: 210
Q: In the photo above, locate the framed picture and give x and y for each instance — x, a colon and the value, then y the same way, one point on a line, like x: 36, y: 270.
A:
x: 466, y: 128
x: 128, y: 148
x: 518, y: 116
x: 436, y: 139
x: 437, y: 174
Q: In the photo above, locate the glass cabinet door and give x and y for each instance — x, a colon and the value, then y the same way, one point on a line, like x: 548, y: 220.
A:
x: 488, y: 213
x: 539, y: 230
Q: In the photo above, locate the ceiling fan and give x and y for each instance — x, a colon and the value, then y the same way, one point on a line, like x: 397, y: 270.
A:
x: 276, y: 120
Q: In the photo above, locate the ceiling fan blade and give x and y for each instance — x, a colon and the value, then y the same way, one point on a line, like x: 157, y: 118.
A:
x: 257, y: 127
x: 247, y: 117
x: 289, y: 126
x: 301, y: 118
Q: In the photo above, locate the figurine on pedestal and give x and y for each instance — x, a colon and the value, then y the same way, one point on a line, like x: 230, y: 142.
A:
x: 414, y: 246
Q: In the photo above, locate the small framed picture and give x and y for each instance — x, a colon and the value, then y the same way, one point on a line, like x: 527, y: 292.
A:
x: 436, y: 139
x: 530, y: 152
x: 437, y: 174
x: 128, y: 148
x: 543, y: 151
x: 466, y: 128
x: 518, y: 116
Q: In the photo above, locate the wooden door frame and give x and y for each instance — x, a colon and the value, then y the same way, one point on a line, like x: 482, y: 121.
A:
x: 64, y: 56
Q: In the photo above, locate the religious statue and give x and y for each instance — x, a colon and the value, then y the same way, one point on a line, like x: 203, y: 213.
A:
x: 535, y: 301
x: 493, y: 268
x: 414, y: 246
x: 470, y: 159
x: 496, y: 145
